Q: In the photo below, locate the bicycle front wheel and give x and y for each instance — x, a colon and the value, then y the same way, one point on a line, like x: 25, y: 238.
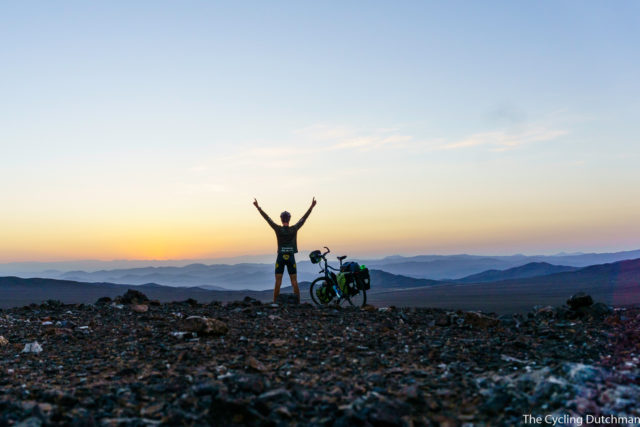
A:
x: 321, y: 291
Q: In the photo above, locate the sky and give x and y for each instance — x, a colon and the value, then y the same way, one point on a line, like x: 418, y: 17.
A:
x: 144, y: 130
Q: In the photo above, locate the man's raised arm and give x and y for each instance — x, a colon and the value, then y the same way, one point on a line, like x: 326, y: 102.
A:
x: 306, y: 215
x: 264, y: 214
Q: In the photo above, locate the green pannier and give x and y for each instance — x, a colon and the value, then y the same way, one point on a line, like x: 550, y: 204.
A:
x: 324, y: 294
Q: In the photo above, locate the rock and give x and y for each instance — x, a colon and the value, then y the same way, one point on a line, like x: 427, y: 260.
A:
x: 369, y: 308
x: 251, y: 301
x: 579, y: 300
x: 289, y: 366
x: 132, y: 296
x: 479, y: 320
x: 32, y: 347
x: 545, y: 312
x: 103, y: 301
x: 276, y: 394
x: 443, y: 320
x: 204, y: 326
x: 597, y: 310
x: 287, y: 299
x: 562, y: 313
x: 496, y: 403
x: 140, y: 308
x: 255, y: 364
x: 582, y: 373
x: 30, y: 422
x: 3, y: 341
x: 412, y: 393
x: 507, y: 320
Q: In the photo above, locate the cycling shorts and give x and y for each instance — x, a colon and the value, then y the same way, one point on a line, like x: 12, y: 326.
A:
x: 286, y: 259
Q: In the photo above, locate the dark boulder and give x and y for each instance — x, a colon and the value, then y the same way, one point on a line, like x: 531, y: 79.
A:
x: 287, y: 299
x: 132, y: 297
x: 251, y: 301
x: 103, y: 301
x: 579, y: 300
x: 597, y: 310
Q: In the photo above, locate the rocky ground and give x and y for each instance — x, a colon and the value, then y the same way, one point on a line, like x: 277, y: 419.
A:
x: 133, y: 362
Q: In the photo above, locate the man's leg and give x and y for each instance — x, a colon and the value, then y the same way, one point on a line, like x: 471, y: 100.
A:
x: 276, y: 289
x: 294, y: 285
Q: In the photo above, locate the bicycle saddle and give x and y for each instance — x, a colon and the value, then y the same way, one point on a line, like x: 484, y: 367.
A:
x: 340, y: 258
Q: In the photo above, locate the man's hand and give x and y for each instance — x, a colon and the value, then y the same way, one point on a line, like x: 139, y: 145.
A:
x: 313, y: 202
x: 255, y: 203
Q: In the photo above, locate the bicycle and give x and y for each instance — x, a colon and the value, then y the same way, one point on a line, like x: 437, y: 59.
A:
x: 326, y: 288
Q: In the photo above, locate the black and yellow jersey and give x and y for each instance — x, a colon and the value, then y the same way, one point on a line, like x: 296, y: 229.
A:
x: 286, y: 235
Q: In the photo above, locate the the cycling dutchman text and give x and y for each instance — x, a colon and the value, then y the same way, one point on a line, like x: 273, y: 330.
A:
x: 557, y: 420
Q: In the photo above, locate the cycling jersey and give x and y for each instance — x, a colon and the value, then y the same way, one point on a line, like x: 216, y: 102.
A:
x: 287, y: 236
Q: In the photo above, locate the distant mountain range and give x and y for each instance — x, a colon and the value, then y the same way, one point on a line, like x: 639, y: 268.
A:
x: 441, y: 267
x: 614, y: 283
x: 533, y: 269
x: 259, y: 276
x: 15, y: 291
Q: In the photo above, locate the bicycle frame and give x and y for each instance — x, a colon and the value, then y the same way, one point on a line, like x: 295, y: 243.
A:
x: 326, y: 268
x: 331, y: 279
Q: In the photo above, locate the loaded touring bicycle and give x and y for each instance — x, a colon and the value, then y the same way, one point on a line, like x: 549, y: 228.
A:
x: 348, y: 283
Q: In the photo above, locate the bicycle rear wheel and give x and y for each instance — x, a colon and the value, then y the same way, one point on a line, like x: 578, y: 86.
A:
x: 321, y: 291
x: 359, y: 299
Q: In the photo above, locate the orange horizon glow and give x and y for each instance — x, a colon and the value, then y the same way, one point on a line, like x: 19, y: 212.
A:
x: 444, y: 232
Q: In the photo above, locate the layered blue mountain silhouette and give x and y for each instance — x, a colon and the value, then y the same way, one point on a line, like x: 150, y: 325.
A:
x: 259, y: 276
x: 615, y: 283
x: 533, y: 269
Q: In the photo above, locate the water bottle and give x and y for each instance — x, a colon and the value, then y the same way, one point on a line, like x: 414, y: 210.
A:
x: 337, y: 291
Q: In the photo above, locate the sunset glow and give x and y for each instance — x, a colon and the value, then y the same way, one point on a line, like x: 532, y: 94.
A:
x: 145, y: 131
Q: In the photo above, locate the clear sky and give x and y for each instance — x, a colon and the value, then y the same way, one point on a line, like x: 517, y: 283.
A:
x: 145, y: 129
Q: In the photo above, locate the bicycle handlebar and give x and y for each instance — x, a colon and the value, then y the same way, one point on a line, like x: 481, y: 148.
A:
x: 328, y: 250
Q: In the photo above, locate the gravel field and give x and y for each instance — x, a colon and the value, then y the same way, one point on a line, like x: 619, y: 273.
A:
x: 134, y: 362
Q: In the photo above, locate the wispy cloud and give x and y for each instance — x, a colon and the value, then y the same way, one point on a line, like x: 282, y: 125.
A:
x: 506, y: 139
x: 335, y: 138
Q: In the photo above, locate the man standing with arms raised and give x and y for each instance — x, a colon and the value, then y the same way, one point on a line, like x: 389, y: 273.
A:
x: 287, y: 247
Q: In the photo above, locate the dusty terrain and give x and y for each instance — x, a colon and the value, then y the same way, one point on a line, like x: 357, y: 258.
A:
x: 133, y: 363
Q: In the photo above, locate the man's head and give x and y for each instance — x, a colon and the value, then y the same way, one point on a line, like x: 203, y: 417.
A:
x: 285, y: 217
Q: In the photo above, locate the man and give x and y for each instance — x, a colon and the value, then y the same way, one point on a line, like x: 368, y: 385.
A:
x: 287, y: 247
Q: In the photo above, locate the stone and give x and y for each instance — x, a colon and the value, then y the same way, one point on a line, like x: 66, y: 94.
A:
x: 276, y: 394
x: 30, y: 422
x: 33, y: 347
x: 204, y: 326
x: 287, y: 299
x: 132, y: 296
x: 579, y: 300
x: 443, y: 320
x: 479, y: 320
x: 313, y: 366
x: 3, y: 341
x: 251, y: 301
x: 140, y: 308
x: 103, y: 301
x: 597, y: 310
x: 255, y: 364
